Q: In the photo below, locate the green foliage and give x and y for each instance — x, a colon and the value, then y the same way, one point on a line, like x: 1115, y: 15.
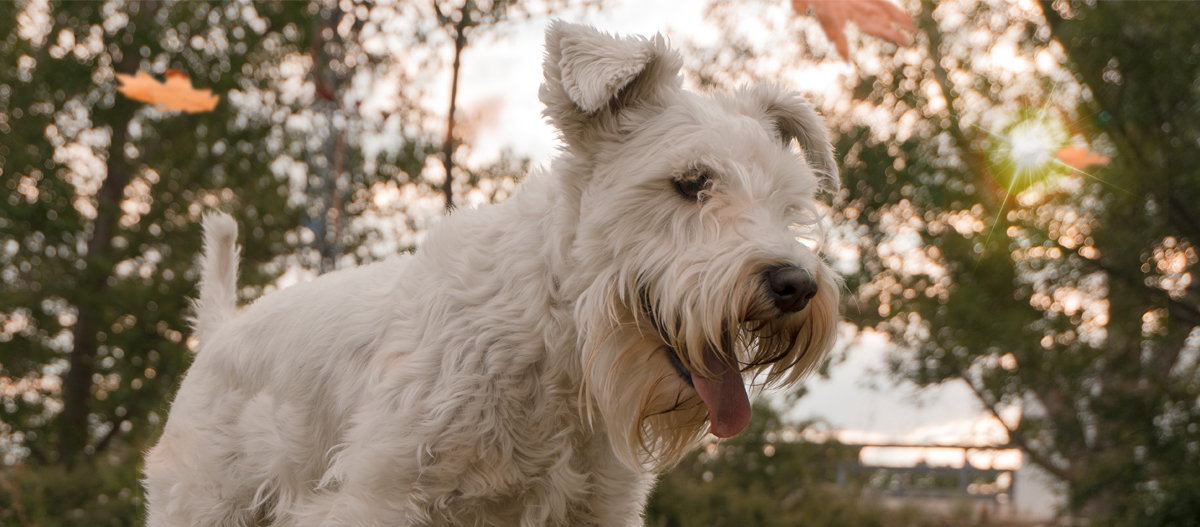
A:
x: 102, y: 493
x: 1070, y: 300
x: 104, y: 193
x: 1142, y: 63
x: 758, y: 479
x: 99, y: 228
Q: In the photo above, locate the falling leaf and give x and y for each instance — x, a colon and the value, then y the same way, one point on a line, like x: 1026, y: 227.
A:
x: 1080, y: 158
x: 878, y: 18
x: 176, y: 93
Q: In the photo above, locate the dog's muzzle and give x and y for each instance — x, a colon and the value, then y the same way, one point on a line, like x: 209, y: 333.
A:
x: 790, y: 287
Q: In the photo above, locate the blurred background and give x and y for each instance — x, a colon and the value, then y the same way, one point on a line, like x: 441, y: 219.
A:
x: 1017, y: 231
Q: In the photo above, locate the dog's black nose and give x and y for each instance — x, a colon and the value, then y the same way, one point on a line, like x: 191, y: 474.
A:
x: 790, y: 287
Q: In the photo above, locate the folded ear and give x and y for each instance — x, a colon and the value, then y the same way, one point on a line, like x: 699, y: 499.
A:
x: 794, y: 119
x: 591, y: 76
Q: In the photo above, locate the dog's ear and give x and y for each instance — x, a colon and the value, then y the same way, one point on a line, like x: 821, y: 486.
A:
x: 591, y: 76
x: 794, y: 119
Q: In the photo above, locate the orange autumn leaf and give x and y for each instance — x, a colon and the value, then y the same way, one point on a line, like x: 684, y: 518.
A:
x: 879, y: 18
x: 1079, y: 158
x: 176, y: 93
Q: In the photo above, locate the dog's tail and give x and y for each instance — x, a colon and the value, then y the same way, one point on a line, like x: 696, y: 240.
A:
x: 218, y: 276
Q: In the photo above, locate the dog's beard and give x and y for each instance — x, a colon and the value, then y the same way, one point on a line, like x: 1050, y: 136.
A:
x: 650, y: 413
x: 662, y: 373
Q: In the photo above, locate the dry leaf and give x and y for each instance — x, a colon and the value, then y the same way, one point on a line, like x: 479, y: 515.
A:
x: 877, y: 18
x: 1080, y: 158
x: 176, y: 93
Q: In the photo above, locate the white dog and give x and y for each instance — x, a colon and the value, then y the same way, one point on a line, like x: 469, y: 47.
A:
x: 536, y: 362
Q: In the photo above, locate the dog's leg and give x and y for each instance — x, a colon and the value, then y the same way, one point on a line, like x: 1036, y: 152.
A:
x: 353, y: 506
x: 186, y: 484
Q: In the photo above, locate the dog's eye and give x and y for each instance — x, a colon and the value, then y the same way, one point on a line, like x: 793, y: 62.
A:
x: 690, y: 183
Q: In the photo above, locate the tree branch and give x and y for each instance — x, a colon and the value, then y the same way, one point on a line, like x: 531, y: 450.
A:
x: 1017, y: 438
x: 1119, y: 133
x: 1186, y: 215
x: 1186, y: 312
x: 448, y: 146
x: 442, y: 18
x: 964, y: 140
x: 103, y: 443
x: 18, y: 505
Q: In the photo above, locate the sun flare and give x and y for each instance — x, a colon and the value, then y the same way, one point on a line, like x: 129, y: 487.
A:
x: 1021, y: 152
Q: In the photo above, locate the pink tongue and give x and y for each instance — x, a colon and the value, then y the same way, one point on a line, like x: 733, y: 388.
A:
x: 725, y: 396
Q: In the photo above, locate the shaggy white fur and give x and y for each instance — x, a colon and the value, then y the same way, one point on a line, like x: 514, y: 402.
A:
x: 536, y: 362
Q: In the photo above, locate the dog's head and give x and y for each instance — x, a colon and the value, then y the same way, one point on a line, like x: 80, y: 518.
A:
x: 688, y: 267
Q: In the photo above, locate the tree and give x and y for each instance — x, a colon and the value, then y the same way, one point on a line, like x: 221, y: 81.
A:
x: 462, y: 22
x: 459, y: 22
x: 974, y: 233
x: 103, y: 195
x: 770, y: 476
x: 1062, y: 296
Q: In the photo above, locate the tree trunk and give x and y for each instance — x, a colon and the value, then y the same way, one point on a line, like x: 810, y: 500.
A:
x: 448, y: 147
x: 327, y: 226
x: 77, y: 387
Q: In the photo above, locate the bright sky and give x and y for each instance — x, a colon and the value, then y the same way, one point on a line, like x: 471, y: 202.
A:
x: 508, y: 71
